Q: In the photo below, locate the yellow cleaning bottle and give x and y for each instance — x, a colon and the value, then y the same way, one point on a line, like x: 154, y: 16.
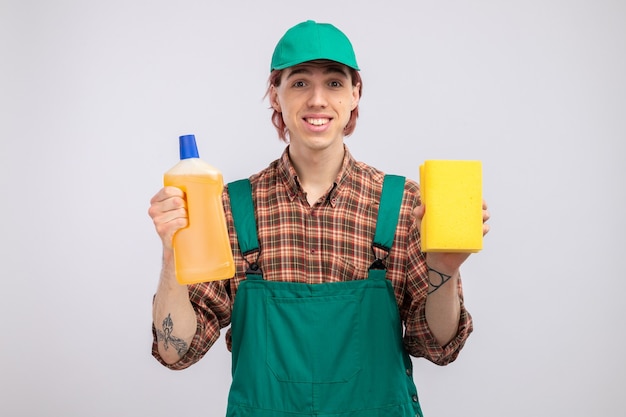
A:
x: 202, y: 250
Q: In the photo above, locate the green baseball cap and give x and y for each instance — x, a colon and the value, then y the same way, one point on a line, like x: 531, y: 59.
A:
x: 308, y: 41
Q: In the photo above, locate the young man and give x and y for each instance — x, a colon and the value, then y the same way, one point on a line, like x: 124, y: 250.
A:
x: 324, y: 312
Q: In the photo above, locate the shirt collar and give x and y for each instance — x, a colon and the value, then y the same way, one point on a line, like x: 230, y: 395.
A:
x: 288, y: 174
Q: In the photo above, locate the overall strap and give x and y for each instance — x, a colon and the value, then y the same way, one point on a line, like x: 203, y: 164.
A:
x: 387, y: 221
x: 242, y: 208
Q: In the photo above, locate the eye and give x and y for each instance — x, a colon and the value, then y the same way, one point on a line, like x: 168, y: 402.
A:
x: 299, y: 84
x: 335, y: 84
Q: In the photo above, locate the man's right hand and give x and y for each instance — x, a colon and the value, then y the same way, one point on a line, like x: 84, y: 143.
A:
x: 168, y: 211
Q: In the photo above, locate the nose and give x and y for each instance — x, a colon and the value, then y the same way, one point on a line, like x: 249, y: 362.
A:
x: 317, y: 97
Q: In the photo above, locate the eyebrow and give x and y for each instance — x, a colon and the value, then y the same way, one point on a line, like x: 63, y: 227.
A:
x: 330, y: 69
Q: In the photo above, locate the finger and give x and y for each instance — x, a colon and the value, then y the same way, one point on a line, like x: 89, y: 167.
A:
x: 171, y: 199
x: 171, y: 216
x: 172, y: 204
x: 169, y: 222
x: 486, y: 214
x: 167, y: 192
x: 419, y: 211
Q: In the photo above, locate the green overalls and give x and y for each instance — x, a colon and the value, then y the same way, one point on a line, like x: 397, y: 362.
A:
x: 332, y: 349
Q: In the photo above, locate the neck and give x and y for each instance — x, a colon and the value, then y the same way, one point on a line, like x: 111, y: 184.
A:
x: 317, y: 171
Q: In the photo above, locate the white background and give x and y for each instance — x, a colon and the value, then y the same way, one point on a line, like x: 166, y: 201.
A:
x: 93, y: 97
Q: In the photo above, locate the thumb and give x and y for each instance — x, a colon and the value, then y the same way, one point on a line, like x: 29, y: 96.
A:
x: 418, y: 214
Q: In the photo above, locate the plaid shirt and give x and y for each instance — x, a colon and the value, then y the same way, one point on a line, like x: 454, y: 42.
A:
x: 327, y: 242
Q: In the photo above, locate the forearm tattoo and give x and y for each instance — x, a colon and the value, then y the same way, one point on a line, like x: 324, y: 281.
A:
x: 436, y: 285
x: 167, y: 338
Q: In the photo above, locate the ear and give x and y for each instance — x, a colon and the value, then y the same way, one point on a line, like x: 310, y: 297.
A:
x: 356, y: 96
x: 274, y: 99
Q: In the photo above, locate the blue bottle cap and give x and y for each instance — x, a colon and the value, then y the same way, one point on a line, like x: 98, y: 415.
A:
x: 188, y: 147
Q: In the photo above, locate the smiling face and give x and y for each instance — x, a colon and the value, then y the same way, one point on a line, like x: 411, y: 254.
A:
x: 315, y: 100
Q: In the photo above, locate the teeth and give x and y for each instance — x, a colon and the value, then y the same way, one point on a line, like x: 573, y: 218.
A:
x: 317, y: 122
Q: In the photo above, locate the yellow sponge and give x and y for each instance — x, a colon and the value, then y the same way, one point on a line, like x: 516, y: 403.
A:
x: 452, y: 193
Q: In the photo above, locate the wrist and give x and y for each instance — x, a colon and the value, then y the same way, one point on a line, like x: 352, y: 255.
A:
x: 168, y: 256
x: 447, y: 263
x: 168, y: 270
x: 437, y: 278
